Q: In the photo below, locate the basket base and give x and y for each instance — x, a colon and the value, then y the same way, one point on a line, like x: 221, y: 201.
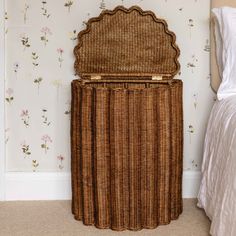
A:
x: 128, y: 228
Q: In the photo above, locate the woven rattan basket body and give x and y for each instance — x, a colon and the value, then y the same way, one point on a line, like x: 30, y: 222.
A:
x: 127, y: 123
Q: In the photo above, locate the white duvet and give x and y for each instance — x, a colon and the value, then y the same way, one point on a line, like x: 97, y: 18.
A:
x: 217, y: 193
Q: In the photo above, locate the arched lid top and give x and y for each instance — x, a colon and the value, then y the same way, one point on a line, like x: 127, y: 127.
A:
x: 126, y: 42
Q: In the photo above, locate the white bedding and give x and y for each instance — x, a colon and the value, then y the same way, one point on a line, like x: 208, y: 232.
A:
x: 225, y: 35
x: 217, y: 193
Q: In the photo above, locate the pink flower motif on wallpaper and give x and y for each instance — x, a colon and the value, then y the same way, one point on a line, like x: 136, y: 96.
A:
x: 9, y: 95
x: 35, y: 165
x: 46, y: 32
x: 46, y: 140
x: 60, y: 159
x: 25, y: 149
x: 60, y: 51
x: 25, y: 117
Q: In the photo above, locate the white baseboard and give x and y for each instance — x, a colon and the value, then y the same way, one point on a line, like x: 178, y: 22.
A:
x: 191, y: 183
x: 37, y: 186
x: 57, y: 186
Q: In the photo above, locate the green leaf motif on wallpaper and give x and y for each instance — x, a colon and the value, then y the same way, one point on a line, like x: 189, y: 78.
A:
x: 192, y: 64
x: 45, y: 118
x: 25, y: 41
x: 6, y: 16
x: 9, y: 95
x: 35, y: 165
x: 190, y: 25
x: 25, y: 149
x: 191, y: 131
x: 35, y: 58
x: 16, y: 67
x: 38, y: 81
x: 68, y: 4
x: 44, y: 9
x: 194, y: 164
x: 46, y: 32
x: 9, y: 99
x: 46, y: 140
x: 25, y: 117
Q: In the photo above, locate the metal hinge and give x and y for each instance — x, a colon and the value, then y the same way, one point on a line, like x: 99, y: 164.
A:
x: 157, y: 77
x: 96, y: 77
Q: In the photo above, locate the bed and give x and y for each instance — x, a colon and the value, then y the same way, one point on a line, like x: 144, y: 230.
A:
x: 217, y: 195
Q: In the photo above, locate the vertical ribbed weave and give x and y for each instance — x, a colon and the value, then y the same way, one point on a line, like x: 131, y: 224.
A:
x: 127, y: 148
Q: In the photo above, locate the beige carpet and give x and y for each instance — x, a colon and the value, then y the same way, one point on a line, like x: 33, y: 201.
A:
x: 55, y: 219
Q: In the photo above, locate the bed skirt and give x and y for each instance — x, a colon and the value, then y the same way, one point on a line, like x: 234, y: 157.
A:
x: 127, y: 149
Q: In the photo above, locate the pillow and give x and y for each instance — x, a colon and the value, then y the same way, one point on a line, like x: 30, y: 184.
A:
x: 218, y: 42
x: 225, y: 35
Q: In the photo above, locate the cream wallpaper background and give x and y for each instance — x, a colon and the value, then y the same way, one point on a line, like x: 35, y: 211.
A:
x: 40, y: 37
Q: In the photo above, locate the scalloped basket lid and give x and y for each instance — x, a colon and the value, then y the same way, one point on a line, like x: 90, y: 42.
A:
x: 126, y: 42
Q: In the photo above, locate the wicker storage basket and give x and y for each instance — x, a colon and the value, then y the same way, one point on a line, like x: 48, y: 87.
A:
x: 127, y: 123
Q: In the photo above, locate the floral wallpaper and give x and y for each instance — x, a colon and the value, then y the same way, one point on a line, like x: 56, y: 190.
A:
x: 40, y: 37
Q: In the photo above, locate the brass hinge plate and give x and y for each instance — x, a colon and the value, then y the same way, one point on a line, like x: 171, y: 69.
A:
x: 157, y: 77
x: 96, y: 77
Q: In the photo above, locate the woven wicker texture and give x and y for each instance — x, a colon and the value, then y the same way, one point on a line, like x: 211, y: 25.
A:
x: 126, y: 42
x: 127, y: 155
x: 126, y: 129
